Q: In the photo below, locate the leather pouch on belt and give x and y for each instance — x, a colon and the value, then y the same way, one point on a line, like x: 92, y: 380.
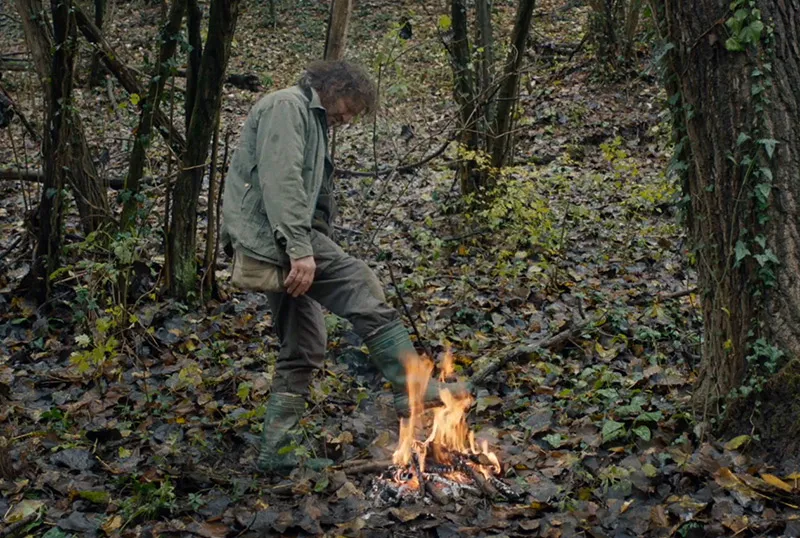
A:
x: 252, y: 274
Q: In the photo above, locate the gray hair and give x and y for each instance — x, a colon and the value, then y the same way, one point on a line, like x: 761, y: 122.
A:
x: 337, y: 79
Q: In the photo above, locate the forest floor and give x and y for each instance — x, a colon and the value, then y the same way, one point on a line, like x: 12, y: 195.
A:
x: 145, y: 422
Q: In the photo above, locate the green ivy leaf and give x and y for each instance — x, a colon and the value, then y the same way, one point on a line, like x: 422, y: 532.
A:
x: 650, y: 416
x: 743, y: 137
x: 555, y: 440
x: 762, y: 192
x: 445, y: 22
x: 752, y: 32
x: 741, y: 251
x: 769, y: 145
x: 135, y: 99
x: 643, y: 432
x: 321, y: 485
x: 613, y: 430
x: 733, y: 45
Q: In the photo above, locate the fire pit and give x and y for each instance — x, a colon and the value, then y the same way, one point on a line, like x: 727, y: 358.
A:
x: 448, y: 463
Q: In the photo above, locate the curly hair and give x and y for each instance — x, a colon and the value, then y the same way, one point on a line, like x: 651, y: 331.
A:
x: 338, y: 79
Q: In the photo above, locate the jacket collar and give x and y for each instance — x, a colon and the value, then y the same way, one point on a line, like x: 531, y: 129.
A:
x: 315, y: 102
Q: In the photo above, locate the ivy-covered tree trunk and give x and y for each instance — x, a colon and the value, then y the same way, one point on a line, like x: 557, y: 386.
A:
x: 181, y: 238
x: 737, y: 79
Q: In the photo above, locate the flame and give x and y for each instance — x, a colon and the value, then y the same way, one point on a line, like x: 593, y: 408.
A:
x: 448, y: 364
x: 418, y: 375
x: 450, y: 434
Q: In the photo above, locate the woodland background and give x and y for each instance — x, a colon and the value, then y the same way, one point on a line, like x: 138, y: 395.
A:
x: 525, y: 205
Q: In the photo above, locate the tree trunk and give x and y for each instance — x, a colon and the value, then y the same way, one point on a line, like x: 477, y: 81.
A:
x: 464, y: 94
x: 336, y: 40
x: 97, y: 70
x: 194, y: 20
x: 56, y: 150
x: 485, y: 65
x: 88, y: 190
x: 209, y: 283
x: 741, y: 114
x: 507, y: 97
x: 150, y: 104
x: 181, y: 238
x: 127, y: 77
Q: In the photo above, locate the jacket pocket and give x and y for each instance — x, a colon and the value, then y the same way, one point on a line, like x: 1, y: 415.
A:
x: 256, y: 275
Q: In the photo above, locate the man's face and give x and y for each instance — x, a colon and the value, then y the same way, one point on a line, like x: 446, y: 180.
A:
x: 342, y: 111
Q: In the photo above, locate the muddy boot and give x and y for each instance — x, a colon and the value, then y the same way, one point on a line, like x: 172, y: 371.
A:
x: 284, y: 411
x: 388, y: 348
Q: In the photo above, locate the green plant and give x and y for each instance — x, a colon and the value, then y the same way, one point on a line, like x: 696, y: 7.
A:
x: 149, y: 500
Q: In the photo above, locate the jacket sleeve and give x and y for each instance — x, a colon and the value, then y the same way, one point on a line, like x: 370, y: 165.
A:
x: 281, y: 144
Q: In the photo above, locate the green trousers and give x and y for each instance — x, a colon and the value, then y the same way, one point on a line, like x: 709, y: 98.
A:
x: 345, y: 286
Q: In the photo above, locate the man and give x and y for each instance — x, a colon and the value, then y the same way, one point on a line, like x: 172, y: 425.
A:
x: 277, y: 209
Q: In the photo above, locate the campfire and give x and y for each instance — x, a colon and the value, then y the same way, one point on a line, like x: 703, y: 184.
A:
x: 447, y: 463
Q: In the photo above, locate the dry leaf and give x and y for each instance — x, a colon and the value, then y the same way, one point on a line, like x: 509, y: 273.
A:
x: 23, y: 510
x: 773, y: 480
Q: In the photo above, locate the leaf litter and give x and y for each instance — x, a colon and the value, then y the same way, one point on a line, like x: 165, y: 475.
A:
x: 596, y: 432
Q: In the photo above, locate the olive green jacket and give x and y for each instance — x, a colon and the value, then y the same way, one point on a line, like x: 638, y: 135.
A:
x: 279, y: 185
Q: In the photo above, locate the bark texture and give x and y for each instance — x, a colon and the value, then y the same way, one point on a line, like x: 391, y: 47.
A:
x: 88, y: 189
x: 181, y: 238
x: 56, y: 150
x: 507, y: 98
x: 718, y: 89
x: 336, y: 41
x: 483, y: 27
x: 464, y: 93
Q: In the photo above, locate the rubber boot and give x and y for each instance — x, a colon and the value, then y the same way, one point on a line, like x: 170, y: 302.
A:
x: 388, y: 348
x: 284, y: 411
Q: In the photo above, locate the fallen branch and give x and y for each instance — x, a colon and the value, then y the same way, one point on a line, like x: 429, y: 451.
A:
x: 14, y: 64
x: 525, y: 352
x: 366, y: 468
x: 12, y: 529
x: 645, y: 298
x: 10, y: 173
x: 400, y: 169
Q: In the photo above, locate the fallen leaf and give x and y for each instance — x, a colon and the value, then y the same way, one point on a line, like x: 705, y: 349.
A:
x: 737, y: 442
x: 23, y: 510
x: 485, y: 402
x: 773, y: 480
x: 112, y: 524
x: 404, y: 515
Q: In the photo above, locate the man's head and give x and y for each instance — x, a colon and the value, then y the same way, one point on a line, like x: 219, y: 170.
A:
x: 345, y: 89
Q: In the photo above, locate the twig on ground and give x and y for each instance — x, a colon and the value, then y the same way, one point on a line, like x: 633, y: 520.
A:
x: 13, y: 528
x: 371, y: 467
x: 399, y: 169
x: 646, y: 298
x: 521, y: 353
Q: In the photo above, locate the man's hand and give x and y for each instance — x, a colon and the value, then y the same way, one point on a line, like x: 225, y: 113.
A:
x: 301, y: 276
